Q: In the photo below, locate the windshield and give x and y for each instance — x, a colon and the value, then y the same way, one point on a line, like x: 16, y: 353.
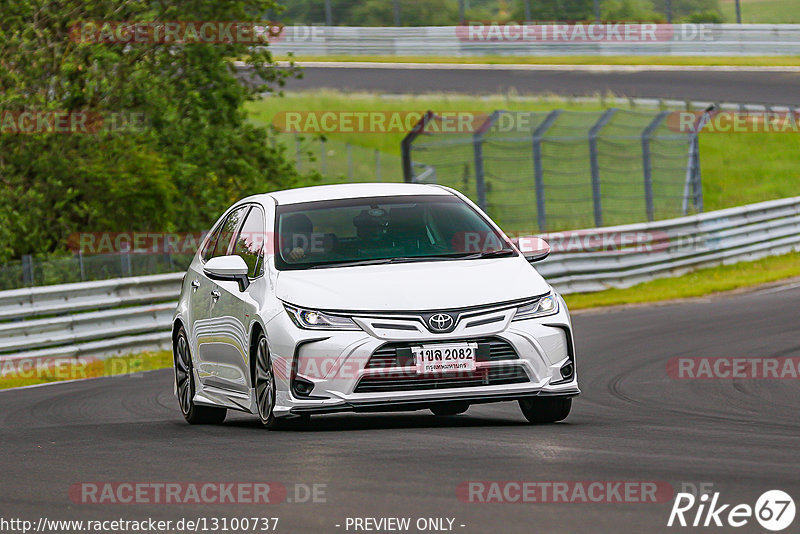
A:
x: 381, y: 230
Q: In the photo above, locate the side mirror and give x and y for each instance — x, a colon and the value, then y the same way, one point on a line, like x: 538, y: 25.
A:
x: 228, y: 269
x: 533, y: 248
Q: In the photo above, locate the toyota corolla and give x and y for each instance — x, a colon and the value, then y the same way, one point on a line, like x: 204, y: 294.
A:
x: 369, y: 297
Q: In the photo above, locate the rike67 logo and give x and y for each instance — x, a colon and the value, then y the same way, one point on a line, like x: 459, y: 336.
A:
x: 774, y: 510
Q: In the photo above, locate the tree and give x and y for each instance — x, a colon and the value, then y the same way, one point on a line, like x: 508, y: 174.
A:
x: 194, y: 154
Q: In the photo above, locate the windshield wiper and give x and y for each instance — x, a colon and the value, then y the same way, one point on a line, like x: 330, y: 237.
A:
x: 414, y: 259
x: 490, y: 254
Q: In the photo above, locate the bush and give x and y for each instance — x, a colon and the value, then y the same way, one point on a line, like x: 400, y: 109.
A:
x: 193, y: 155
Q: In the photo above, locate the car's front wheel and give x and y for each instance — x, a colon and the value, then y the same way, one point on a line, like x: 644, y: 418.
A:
x: 265, y: 384
x: 194, y: 414
x: 540, y: 410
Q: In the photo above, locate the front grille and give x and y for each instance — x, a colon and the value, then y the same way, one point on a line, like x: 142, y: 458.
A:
x: 497, y: 376
x: 498, y: 348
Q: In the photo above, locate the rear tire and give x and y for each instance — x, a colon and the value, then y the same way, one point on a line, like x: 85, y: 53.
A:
x: 184, y: 378
x: 450, y: 408
x: 542, y: 410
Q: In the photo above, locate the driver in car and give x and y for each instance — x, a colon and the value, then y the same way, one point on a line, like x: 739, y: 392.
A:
x: 296, y: 236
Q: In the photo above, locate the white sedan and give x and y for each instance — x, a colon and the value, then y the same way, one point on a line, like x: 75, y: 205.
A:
x: 370, y: 297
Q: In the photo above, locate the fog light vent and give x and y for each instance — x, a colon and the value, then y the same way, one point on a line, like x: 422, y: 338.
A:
x: 302, y: 387
x: 567, y: 371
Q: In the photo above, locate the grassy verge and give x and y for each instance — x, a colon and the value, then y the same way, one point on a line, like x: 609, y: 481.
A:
x: 62, y: 370
x: 762, y: 11
x: 703, y: 61
x: 699, y: 283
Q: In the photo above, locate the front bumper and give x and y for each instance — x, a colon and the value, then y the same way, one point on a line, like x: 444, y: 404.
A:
x: 334, y: 363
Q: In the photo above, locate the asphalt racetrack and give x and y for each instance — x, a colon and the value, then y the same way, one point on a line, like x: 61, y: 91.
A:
x: 741, y: 85
x: 632, y: 423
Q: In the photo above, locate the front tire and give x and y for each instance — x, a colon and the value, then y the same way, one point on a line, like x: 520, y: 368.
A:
x: 184, y: 378
x: 542, y: 410
x: 265, y: 385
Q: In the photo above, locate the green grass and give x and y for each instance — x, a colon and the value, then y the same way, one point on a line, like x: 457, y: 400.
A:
x: 744, y: 61
x: 91, y: 368
x: 699, y: 283
x: 263, y: 111
x: 762, y: 11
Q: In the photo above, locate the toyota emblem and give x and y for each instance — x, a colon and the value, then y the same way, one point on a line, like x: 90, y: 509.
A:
x: 440, y: 322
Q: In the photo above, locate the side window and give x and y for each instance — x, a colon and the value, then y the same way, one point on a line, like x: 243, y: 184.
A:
x: 208, y: 250
x: 227, y: 231
x: 250, y: 242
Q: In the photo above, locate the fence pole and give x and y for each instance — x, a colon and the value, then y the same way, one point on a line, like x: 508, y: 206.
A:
x: 350, y: 162
x: 538, y: 169
x: 323, y: 158
x: 328, y: 13
x: 378, y: 165
x: 27, y: 270
x: 697, y: 182
x: 738, y: 13
x: 80, y: 264
x: 527, y: 10
x: 397, y: 13
x: 668, y: 9
x: 297, y: 157
x: 593, y: 158
x: 477, y: 146
x: 125, y: 263
x: 647, y: 164
x: 693, y: 179
x: 407, y: 143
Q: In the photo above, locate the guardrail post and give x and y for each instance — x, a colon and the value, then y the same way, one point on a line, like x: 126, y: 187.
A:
x: 593, y: 158
x: 477, y: 145
x: 27, y: 270
x: 538, y: 171
x: 647, y: 166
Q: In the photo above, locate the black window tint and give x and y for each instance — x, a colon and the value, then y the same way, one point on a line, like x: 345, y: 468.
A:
x: 208, y: 250
x: 250, y: 242
x: 228, y: 230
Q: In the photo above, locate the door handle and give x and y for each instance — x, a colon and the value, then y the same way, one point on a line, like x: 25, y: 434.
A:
x: 215, y: 294
x: 195, y: 283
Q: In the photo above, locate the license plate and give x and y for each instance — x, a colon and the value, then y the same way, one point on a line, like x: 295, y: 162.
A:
x: 445, y: 358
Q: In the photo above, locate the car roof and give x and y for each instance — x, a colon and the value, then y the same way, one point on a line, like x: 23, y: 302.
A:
x: 342, y: 191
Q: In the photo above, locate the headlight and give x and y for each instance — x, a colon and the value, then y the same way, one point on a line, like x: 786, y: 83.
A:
x: 547, y: 305
x: 317, y: 320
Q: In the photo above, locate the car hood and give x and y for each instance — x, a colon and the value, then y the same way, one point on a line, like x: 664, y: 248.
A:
x: 420, y: 286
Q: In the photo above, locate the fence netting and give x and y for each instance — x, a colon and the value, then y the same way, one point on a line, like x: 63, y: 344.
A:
x: 558, y: 170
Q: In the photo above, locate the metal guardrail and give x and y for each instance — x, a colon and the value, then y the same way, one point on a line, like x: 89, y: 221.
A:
x: 99, y: 319
x: 677, y: 39
x: 87, y: 320
x: 642, y: 252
